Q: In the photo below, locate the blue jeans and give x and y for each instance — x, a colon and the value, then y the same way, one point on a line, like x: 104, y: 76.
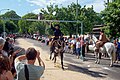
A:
x: 78, y: 51
x: 118, y: 53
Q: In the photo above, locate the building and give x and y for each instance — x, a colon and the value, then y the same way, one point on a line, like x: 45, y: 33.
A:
x: 96, y: 30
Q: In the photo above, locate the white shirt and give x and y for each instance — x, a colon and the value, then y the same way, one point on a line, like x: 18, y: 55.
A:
x: 73, y: 41
x: 35, y: 72
x: 77, y: 44
x: 100, y: 37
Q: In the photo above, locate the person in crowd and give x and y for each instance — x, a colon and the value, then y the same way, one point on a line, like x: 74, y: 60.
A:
x: 118, y: 50
x: 2, y: 42
x: 6, y: 45
x: 73, y: 45
x: 78, y: 48
x: 5, y: 73
x: 102, y: 40
x: 12, y: 56
x: 11, y: 46
x: 82, y: 46
x: 28, y: 70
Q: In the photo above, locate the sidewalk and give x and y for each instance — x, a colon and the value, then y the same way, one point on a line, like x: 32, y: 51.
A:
x: 73, y: 70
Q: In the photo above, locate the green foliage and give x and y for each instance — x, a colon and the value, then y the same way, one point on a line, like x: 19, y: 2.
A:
x: 87, y: 15
x: 30, y: 16
x: 11, y: 26
x: 10, y: 14
x: 1, y: 26
x: 25, y: 25
x: 111, y: 17
x: 37, y: 27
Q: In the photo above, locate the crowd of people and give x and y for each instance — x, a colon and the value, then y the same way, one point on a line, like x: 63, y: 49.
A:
x: 79, y: 45
x: 14, y: 66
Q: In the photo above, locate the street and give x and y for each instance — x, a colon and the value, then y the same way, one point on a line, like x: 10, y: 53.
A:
x: 75, y: 69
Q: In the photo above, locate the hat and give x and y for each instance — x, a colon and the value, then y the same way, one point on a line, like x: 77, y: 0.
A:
x: 57, y: 25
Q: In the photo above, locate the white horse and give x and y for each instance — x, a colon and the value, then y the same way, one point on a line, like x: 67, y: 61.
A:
x: 108, y: 47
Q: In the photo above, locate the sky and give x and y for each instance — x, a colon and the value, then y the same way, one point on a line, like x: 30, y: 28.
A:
x: 23, y: 7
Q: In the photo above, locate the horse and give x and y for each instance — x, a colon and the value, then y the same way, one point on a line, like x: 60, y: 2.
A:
x: 57, y: 48
x: 108, y: 48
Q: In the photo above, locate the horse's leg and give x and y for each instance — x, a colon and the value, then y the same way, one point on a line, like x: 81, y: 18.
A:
x: 51, y: 54
x: 54, y: 58
x: 62, y: 60
x: 111, y: 58
x: 96, y: 56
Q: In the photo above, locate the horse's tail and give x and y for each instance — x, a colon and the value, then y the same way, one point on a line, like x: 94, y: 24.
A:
x: 114, y: 53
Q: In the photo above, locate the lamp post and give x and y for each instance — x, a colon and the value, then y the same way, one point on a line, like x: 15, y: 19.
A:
x: 4, y: 26
x: 77, y: 18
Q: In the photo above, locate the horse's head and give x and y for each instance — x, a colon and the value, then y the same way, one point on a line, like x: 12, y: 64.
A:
x: 94, y: 38
x: 92, y: 42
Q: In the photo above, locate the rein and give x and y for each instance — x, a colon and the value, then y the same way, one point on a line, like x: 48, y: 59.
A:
x: 60, y: 42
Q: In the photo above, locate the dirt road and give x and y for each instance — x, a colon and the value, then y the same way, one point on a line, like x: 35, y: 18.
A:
x: 54, y: 72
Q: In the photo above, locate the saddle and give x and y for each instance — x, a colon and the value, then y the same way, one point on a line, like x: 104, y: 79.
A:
x: 102, y: 44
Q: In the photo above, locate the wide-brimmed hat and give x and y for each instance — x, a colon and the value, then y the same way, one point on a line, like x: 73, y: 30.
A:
x: 57, y: 25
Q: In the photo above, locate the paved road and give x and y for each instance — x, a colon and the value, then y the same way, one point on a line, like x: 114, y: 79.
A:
x: 88, y: 66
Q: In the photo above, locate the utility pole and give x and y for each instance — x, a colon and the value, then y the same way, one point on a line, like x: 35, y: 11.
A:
x: 77, y: 17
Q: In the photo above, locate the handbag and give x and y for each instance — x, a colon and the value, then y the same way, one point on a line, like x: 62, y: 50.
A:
x: 26, y: 72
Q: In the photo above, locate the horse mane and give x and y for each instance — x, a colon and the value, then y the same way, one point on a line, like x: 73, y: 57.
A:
x: 94, y: 38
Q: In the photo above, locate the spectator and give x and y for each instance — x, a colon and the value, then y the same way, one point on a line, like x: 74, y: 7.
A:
x: 73, y: 44
x: 11, y: 46
x: 6, y: 46
x: 29, y: 71
x: 118, y: 49
x: 13, y: 55
x: 2, y: 42
x: 78, y: 48
x: 82, y: 46
x: 5, y: 73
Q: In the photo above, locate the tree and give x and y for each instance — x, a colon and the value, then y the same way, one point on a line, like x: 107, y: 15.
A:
x: 37, y: 27
x: 87, y: 15
x: 11, y: 24
x: 11, y: 14
x: 1, y: 26
x: 117, y: 1
x: 11, y: 27
x: 25, y: 25
x: 111, y: 17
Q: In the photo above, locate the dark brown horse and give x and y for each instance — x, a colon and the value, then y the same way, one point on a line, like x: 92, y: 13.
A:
x: 57, y: 48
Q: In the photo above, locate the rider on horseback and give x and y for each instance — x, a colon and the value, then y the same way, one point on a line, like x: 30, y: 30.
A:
x: 57, y: 32
x: 102, y: 40
x: 58, y: 35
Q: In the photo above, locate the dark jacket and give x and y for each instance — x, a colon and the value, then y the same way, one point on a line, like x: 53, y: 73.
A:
x: 57, y: 32
x: 6, y: 47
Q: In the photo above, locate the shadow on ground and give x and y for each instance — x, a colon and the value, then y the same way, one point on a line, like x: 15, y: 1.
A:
x: 72, y: 67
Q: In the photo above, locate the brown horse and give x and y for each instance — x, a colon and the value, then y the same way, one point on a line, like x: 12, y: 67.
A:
x: 57, y: 48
